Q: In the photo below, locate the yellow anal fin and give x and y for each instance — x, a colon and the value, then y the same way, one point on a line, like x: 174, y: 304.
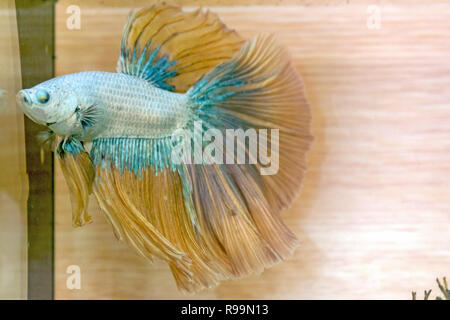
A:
x: 160, y: 197
x: 115, y: 193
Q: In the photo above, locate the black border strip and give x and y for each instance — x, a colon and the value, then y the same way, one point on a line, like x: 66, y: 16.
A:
x: 35, y: 22
x: 238, y: 309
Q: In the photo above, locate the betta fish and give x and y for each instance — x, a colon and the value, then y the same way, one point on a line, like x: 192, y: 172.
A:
x: 114, y: 137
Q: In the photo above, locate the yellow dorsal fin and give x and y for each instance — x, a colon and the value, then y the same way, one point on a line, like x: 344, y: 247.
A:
x: 172, y: 48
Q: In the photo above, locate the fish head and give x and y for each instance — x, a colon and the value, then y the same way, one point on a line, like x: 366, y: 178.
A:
x: 52, y: 104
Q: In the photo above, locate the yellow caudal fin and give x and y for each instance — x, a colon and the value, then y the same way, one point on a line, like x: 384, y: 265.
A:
x: 232, y: 208
x: 172, y: 48
x: 259, y: 88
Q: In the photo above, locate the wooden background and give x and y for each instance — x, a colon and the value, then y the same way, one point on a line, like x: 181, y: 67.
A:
x: 13, y: 177
x: 373, y: 216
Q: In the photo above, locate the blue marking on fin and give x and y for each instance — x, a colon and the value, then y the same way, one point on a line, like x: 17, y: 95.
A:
x: 70, y: 145
x: 134, y: 154
x: 223, y: 82
x: 150, y: 69
x: 138, y: 154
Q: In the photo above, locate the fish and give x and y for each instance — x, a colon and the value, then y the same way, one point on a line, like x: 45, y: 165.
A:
x: 181, y: 75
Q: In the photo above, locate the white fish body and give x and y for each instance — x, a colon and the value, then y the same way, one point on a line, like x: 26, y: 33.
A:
x: 108, y: 105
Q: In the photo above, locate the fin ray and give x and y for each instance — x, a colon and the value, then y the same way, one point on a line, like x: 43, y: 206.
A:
x: 259, y: 88
x: 78, y: 172
x: 168, y: 40
x: 214, y: 215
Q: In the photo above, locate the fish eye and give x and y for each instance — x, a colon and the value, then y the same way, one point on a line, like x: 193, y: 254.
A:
x: 42, y: 96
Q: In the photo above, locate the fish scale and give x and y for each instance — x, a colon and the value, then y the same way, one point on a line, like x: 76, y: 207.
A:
x: 133, y: 107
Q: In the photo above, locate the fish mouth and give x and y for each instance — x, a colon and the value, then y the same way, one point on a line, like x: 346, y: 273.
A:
x: 23, y: 99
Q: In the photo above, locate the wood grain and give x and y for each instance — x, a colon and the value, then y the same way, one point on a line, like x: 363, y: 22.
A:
x: 13, y: 178
x: 374, y: 213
